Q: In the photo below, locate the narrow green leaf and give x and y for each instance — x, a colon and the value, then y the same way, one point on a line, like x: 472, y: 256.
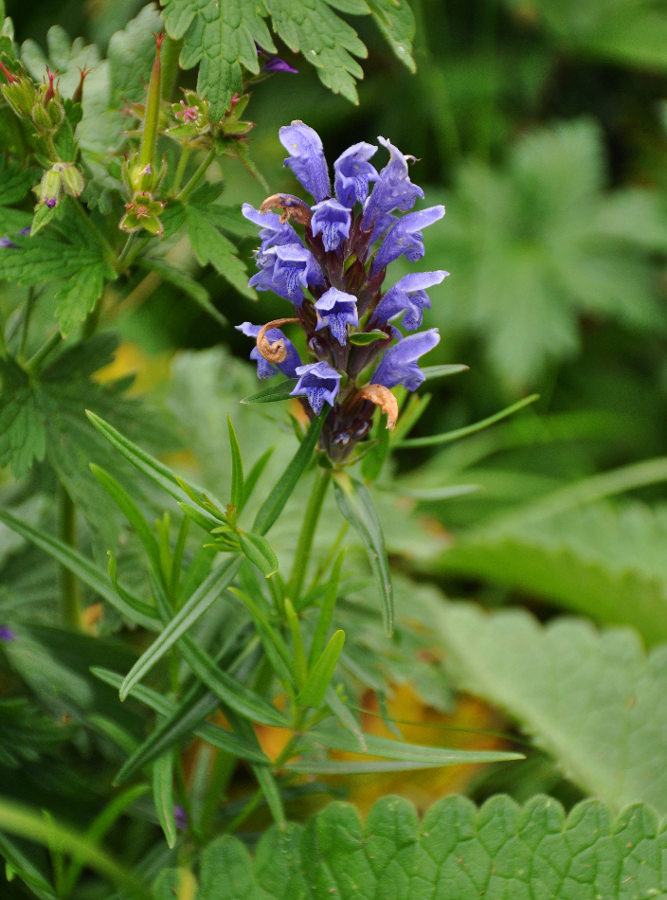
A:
x: 255, y: 474
x: 300, y: 663
x: 162, y: 475
x: 346, y: 718
x: 163, y: 796
x: 23, y: 821
x: 140, y: 608
x: 257, y: 549
x: 326, y: 611
x: 399, y: 750
x: 275, y: 647
x: 362, y: 338
x: 229, y: 690
x: 204, y: 597
x: 274, y: 503
x: 212, y: 734
x: 199, y: 517
x: 357, y: 507
x: 358, y: 767
x: 273, y: 393
x: 313, y: 691
x: 237, y: 489
x: 131, y: 512
x: 442, y: 371
x: 83, y: 568
x: 99, y: 828
x: 263, y: 774
x: 19, y: 864
x: 447, y: 436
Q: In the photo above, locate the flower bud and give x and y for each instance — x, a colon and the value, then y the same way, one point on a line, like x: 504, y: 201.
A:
x: 48, y: 116
x: 51, y: 186
x: 20, y: 95
x: 72, y: 179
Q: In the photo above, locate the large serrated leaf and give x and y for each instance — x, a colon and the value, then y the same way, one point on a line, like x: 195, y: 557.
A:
x: 606, y: 562
x: 210, y: 246
x: 458, y: 852
x: 77, y: 297
x: 594, y: 700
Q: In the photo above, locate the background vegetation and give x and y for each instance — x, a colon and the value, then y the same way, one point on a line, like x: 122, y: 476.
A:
x: 530, y: 558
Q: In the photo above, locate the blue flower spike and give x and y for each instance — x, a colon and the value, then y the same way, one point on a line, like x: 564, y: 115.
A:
x: 335, y: 311
x: 318, y: 383
x: 330, y: 260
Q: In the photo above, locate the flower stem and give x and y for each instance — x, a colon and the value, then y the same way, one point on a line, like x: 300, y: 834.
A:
x: 47, y: 347
x: 180, y: 169
x: 25, y: 325
x: 94, y: 230
x: 71, y: 601
x: 306, y: 535
x: 185, y: 192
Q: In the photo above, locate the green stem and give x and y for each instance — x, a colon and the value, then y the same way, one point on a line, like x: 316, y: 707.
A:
x: 47, y: 347
x: 29, y: 306
x: 71, y: 601
x: 330, y: 557
x: 170, y: 52
x: 94, y: 230
x: 197, y: 177
x: 180, y: 169
x: 307, y: 533
x: 124, y: 253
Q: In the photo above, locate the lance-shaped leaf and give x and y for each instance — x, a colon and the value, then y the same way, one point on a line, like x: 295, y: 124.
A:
x: 203, y: 598
x: 138, y: 612
x: 446, y: 437
x: 259, y: 552
x: 282, y: 491
x: 162, y: 475
x: 237, y: 492
x: 319, y: 677
x: 273, y: 393
x: 218, y: 737
x: 357, y: 507
x: 163, y: 796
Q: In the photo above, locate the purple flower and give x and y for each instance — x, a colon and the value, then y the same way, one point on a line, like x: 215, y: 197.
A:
x: 306, y: 158
x: 6, y: 634
x: 285, y: 270
x: 335, y: 309
x: 399, y: 364
x: 332, y: 219
x: 273, y: 231
x: 408, y: 295
x: 265, y: 369
x: 180, y: 817
x: 8, y: 242
x: 353, y: 172
x: 319, y: 383
x: 275, y: 64
x: 404, y: 238
x: 393, y: 190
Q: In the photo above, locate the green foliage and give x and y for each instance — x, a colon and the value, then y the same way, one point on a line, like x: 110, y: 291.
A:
x: 592, y: 700
x: 539, y: 262
x: 606, y: 562
x: 457, y: 850
x: 221, y: 42
x: 632, y: 32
